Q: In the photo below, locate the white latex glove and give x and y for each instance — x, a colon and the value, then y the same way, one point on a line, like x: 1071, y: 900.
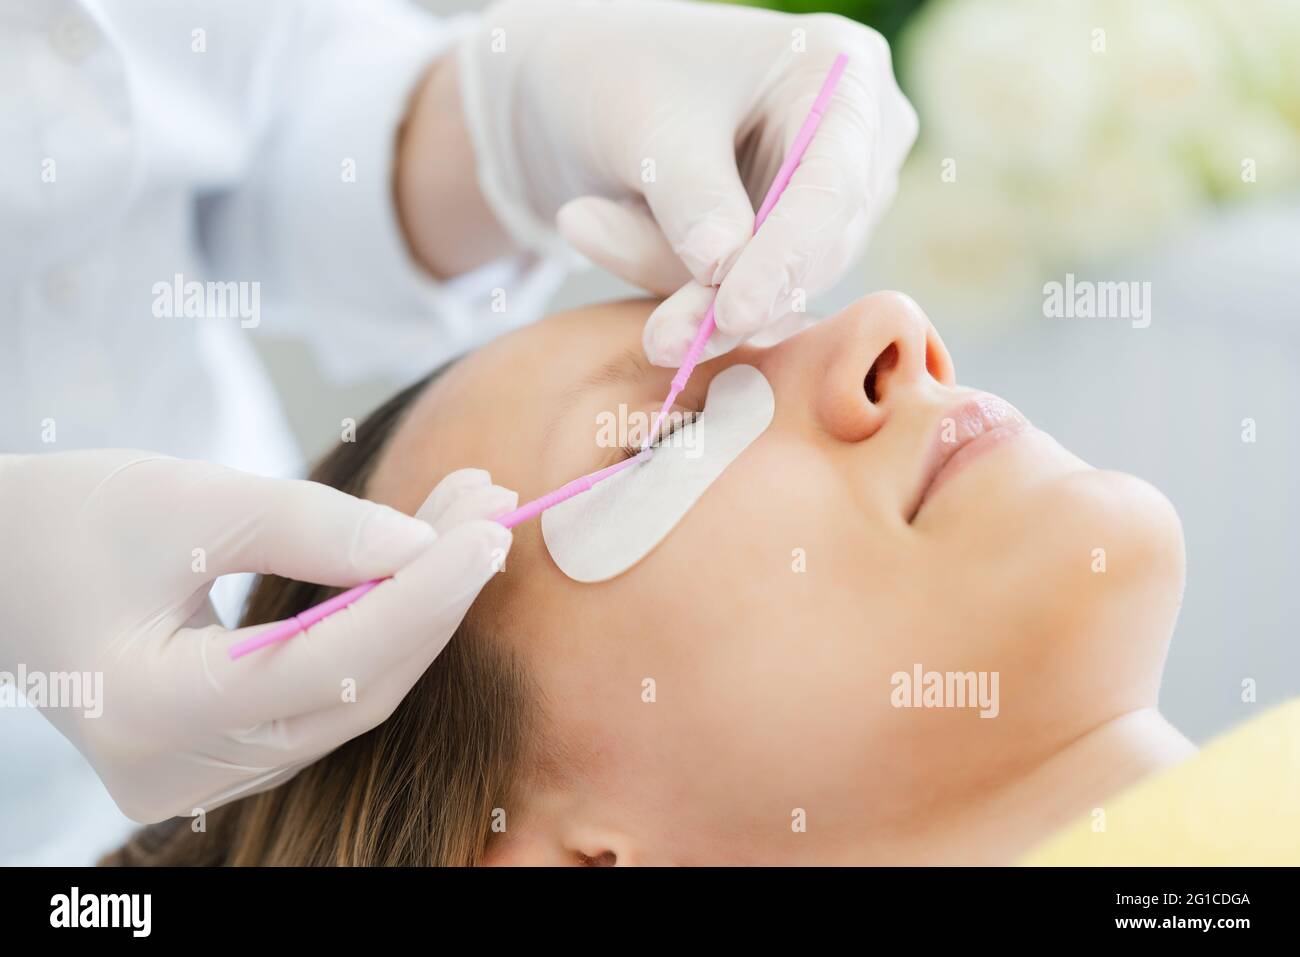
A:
x: 654, y: 129
x: 99, y: 573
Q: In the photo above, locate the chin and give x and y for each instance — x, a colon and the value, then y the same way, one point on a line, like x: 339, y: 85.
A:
x: 1075, y: 546
x: 1118, y: 550
x: 1144, y: 525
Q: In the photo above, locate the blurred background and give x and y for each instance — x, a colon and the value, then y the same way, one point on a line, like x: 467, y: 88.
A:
x: 1154, y: 141
x: 1112, y: 140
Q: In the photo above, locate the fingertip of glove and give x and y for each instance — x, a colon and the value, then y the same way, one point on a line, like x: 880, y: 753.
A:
x: 473, y: 551
x: 743, y: 311
x: 449, y: 493
x: 388, y: 539
x: 498, y: 537
x: 465, y: 479
x: 711, y: 247
x: 471, y: 505
x: 666, y: 340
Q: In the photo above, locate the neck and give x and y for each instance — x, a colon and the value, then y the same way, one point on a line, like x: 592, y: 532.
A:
x: 998, y: 825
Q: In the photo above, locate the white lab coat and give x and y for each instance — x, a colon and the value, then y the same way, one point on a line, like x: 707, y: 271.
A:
x: 239, y: 141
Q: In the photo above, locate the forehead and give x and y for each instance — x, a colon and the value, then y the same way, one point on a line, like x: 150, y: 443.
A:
x: 492, y: 409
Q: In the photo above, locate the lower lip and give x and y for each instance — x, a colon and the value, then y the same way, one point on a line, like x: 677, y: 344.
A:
x: 980, y: 445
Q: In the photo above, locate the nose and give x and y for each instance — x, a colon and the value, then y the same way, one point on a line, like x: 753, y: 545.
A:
x: 875, y: 353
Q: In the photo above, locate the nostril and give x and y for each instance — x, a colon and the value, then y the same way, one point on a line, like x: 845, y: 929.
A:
x: 884, y: 362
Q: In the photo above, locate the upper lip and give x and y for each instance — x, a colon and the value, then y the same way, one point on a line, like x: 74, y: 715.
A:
x: 970, y: 418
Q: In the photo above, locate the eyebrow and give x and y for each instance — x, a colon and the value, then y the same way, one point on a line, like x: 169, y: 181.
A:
x: 627, y: 365
x: 630, y: 365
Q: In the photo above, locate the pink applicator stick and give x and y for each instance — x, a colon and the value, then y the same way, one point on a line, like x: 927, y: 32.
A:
x: 565, y: 492
x: 530, y: 510
x: 301, y: 622
x: 779, y: 183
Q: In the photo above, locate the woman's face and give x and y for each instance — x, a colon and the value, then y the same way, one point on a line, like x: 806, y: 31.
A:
x: 732, y: 697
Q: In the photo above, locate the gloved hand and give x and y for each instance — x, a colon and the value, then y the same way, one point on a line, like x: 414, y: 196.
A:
x: 107, y: 563
x: 653, y: 129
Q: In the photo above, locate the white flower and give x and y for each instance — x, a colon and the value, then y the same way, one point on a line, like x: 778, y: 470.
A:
x: 1165, y: 73
x: 1120, y: 196
x: 1009, y: 82
x: 1084, y: 130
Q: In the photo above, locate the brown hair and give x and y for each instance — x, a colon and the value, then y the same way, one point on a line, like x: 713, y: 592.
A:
x: 419, y: 789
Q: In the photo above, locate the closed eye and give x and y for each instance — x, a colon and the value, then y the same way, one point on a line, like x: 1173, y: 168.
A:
x: 678, y: 422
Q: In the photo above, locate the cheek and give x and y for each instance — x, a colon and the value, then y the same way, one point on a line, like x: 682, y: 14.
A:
x: 760, y: 628
x: 767, y: 625
x: 779, y: 566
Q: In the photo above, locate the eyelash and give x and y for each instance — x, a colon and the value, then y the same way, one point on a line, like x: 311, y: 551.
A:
x: 683, y: 422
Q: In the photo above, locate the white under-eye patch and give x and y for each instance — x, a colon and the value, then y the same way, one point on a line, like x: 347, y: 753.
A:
x: 604, y: 532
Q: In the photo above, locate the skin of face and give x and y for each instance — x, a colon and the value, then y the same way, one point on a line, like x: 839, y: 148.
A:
x: 728, y: 699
